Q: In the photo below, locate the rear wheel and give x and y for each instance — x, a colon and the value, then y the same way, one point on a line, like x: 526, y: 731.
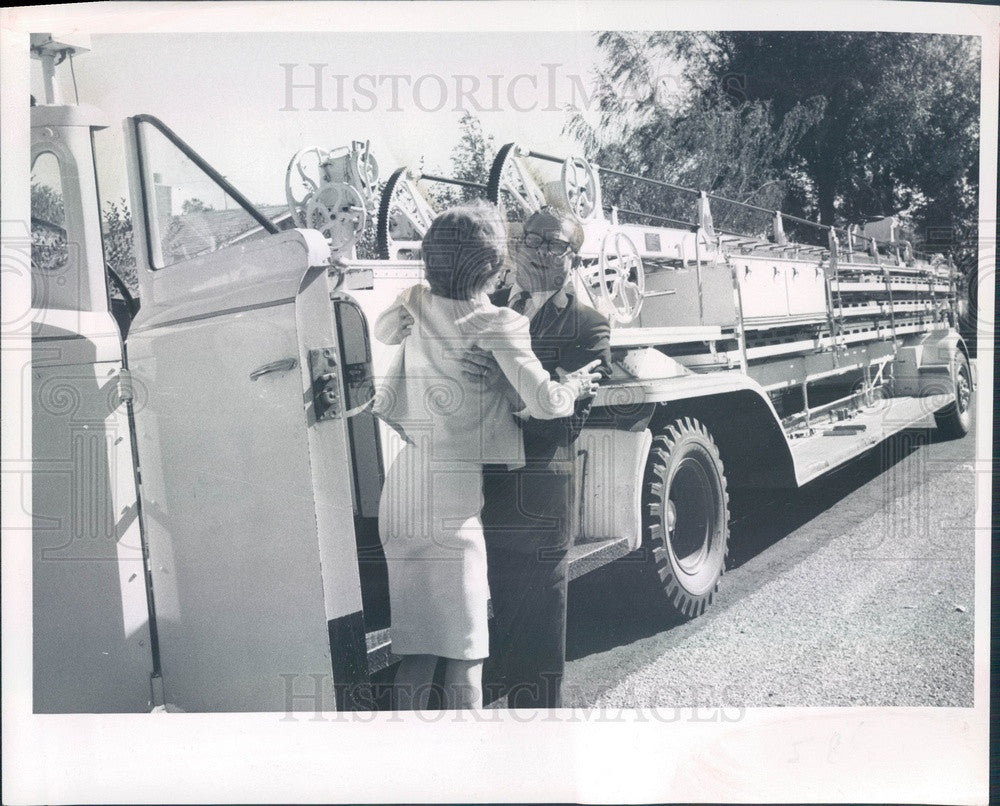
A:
x: 686, y: 515
x: 953, y: 420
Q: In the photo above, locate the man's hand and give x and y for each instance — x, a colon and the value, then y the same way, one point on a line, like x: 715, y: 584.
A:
x: 585, y: 379
x: 479, y: 365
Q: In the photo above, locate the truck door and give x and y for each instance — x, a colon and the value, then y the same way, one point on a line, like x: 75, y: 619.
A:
x: 242, y: 442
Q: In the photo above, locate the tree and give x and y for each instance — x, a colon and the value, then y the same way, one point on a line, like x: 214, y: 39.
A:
x: 194, y: 206
x: 900, y: 123
x: 470, y: 162
x: 886, y: 122
x: 119, y: 247
x: 49, y: 247
x: 741, y: 151
x: 47, y: 204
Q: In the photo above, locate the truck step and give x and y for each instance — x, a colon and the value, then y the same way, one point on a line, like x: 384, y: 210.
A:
x: 814, y: 455
x: 585, y: 557
x: 843, y: 430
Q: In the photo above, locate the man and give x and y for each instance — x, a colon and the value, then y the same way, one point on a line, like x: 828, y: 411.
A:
x: 527, y: 514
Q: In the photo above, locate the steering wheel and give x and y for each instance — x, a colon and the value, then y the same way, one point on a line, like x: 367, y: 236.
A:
x: 363, y: 169
x: 623, y: 293
x: 579, y: 187
x: 338, y: 211
x: 302, y: 179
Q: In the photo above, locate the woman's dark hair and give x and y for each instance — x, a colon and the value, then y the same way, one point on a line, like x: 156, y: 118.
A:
x: 463, y: 250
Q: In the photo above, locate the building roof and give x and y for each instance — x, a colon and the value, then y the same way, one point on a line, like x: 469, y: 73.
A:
x: 192, y: 233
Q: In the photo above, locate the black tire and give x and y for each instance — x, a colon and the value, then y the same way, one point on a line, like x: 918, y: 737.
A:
x: 686, y: 515
x: 496, y: 171
x: 953, y: 420
x: 384, y: 206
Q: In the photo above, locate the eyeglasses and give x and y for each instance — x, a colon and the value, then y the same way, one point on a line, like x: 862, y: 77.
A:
x: 552, y: 246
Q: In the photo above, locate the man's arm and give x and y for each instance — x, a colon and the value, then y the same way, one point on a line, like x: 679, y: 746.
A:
x: 594, y: 343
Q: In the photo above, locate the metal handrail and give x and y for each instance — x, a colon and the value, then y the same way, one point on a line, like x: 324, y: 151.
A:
x: 691, y: 191
x: 648, y: 180
x: 450, y: 181
x: 547, y: 157
x: 715, y: 197
x: 686, y: 224
x: 747, y: 205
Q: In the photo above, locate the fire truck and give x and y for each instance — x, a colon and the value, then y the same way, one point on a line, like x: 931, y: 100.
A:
x: 207, y: 468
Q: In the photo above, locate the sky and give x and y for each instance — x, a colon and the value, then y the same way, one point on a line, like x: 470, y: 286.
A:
x: 227, y: 95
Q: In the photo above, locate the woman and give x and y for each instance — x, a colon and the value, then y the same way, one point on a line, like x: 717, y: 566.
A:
x: 429, y: 512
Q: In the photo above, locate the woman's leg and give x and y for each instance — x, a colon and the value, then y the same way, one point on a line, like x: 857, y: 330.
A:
x: 412, y: 684
x: 463, y: 683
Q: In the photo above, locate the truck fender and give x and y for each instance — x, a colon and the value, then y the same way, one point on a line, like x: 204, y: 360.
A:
x: 609, y: 470
x: 924, y: 363
x: 614, y: 445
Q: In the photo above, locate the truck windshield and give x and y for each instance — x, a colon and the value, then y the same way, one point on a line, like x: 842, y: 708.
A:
x: 191, y: 208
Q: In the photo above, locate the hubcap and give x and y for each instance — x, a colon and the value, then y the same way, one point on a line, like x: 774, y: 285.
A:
x: 671, y: 516
x: 691, y: 515
x: 963, y: 390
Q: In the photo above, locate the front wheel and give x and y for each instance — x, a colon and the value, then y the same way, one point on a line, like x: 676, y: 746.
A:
x: 686, y: 514
x: 953, y: 420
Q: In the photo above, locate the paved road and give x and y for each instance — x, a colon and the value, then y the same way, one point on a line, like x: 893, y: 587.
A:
x: 855, y: 590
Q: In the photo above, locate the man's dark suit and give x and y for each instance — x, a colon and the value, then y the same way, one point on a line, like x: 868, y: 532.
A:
x: 527, y: 517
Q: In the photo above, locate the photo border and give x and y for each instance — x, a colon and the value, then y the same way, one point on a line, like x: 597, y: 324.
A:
x: 779, y: 754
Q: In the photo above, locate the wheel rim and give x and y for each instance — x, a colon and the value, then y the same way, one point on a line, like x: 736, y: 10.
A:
x: 692, y: 515
x: 963, y: 389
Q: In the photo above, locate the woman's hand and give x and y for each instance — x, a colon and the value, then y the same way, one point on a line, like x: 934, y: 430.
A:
x: 393, y: 325
x: 405, y: 324
x: 583, y: 381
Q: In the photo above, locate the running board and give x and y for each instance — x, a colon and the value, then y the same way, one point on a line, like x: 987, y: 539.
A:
x: 832, y: 444
x: 583, y: 558
x: 589, y: 556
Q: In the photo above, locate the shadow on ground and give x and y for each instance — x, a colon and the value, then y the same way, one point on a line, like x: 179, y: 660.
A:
x: 622, y: 602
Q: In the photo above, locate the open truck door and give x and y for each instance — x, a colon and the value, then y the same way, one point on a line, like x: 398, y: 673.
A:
x: 243, y: 445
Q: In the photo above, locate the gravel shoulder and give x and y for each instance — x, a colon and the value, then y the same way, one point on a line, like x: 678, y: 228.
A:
x: 855, y: 591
